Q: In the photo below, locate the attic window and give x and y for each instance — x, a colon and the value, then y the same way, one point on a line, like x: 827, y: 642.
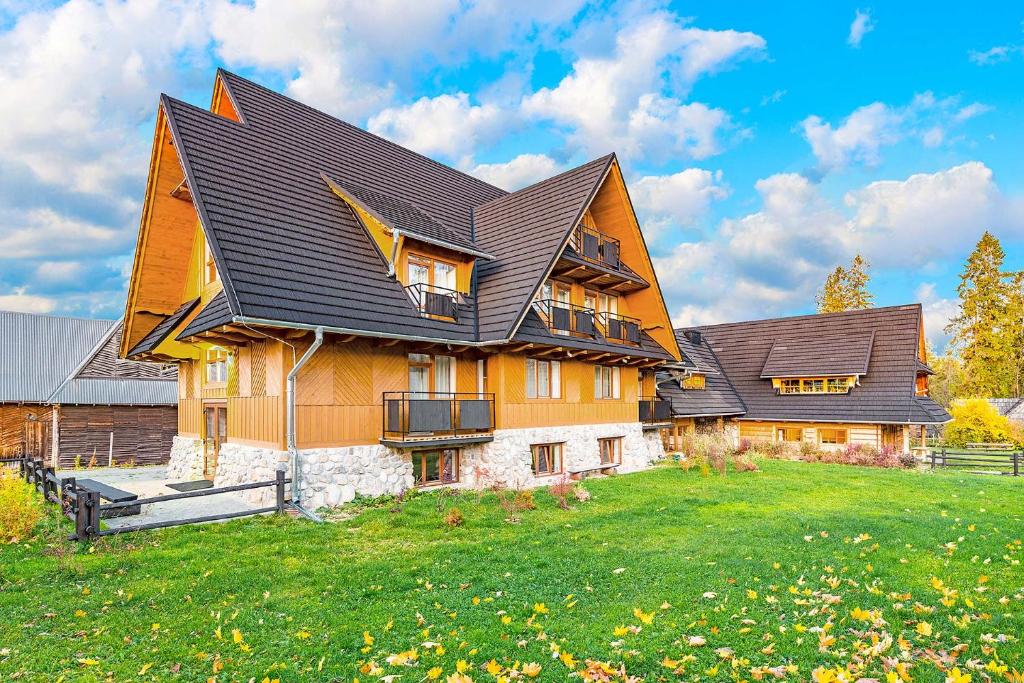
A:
x: 697, y: 381
x: 815, y: 385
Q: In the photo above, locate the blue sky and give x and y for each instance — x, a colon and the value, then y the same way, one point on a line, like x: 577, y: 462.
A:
x: 762, y: 143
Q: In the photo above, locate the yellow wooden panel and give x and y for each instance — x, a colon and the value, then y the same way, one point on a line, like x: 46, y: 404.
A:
x: 190, y: 417
x: 465, y: 375
x: 256, y: 419
x: 353, y: 373
x: 314, y: 384
x: 390, y: 372
x: 243, y: 361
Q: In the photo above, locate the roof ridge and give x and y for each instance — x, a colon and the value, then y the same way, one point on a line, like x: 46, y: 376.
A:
x: 520, y: 191
x: 809, y: 316
x: 57, y: 316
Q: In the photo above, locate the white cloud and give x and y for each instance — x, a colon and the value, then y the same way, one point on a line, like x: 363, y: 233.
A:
x: 517, y: 173
x: 630, y: 101
x: 861, y: 26
x: 994, y: 55
x: 26, y: 303
x: 446, y: 125
x: 44, y: 233
x: 938, y: 311
x: 678, y: 200
x: 971, y: 110
x: 59, y: 271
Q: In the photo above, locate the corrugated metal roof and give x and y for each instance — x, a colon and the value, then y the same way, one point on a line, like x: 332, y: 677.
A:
x: 41, y: 353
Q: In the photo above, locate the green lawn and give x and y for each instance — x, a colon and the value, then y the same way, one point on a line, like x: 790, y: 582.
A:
x: 665, y: 574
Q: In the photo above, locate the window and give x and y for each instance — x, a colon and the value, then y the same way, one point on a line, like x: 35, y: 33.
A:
x: 607, y: 303
x: 543, y: 378
x: 832, y: 436
x: 431, y: 271
x: 431, y: 468
x: 606, y: 382
x: 481, y: 376
x: 216, y: 365
x: 611, y: 450
x: 431, y: 373
x: 815, y: 385
x: 694, y: 382
x: 790, y: 434
x: 547, y: 459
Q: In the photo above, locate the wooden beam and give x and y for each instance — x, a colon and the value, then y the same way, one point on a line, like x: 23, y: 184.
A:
x: 521, y: 347
x: 345, y: 338
x: 387, y: 342
x: 551, y: 352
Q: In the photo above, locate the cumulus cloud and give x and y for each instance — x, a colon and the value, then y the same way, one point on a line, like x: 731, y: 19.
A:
x: 677, y: 200
x: 994, y: 55
x: 517, y: 173
x: 21, y: 302
x: 865, y: 131
x: 631, y: 100
x: 938, y: 312
x: 860, y: 27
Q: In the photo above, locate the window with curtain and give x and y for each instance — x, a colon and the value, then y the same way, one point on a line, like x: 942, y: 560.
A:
x: 606, y: 382
x: 543, y: 378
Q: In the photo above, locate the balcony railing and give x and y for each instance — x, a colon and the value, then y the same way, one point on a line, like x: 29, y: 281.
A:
x: 411, y: 416
x: 654, y: 410
x: 619, y: 328
x: 565, y: 318
x: 597, y: 247
x: 434, y: 300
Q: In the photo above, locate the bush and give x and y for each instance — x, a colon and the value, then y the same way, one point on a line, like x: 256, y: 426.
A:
x: 454, y: 517
x: 560, y: 491
x: 975, y: 420
x: 707, y: 451
x: 524, y: 500
x: 20, y: 507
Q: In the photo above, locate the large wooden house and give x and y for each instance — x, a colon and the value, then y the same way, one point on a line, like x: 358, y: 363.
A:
x: 857, y: 377
x: 66, y: 397
x: 381, y: 320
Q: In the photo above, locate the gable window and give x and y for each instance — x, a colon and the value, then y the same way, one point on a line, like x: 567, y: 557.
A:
x: 790, y: 434
x: 694, y: 382
x: 543, y: 378
x: 432, y: 468
x: 832, y: 436
x: 606, y: 382
x: 611, y: 450
x: 431, y: 373
x: 815, y: 385
x: 216, y: 365
x: 547, y: 459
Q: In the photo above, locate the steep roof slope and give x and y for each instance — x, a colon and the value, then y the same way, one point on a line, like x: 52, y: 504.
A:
x: 52, y: 359
x: 718, y: 398
x: 885, y: 393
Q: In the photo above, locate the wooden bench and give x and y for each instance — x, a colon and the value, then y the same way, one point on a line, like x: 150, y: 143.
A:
x: 112, y: 494
x: 583, y: 473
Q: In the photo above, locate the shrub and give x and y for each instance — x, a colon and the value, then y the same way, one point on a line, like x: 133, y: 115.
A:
x: 581, y: 493
x: 975, y: 420
x: 454, y: 517
x: 524, y: 500
x: 745, y: 446
x: 907, y: 460
x: 707, y: 451
x: 560, y: 491
x: 20, y: 507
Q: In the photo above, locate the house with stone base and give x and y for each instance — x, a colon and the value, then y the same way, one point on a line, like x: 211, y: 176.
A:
x: 828, y: 380
x: 370, y: 319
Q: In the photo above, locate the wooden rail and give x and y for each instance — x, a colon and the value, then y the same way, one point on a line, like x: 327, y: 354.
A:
x: 83, y: 506
x: 1005, y: 462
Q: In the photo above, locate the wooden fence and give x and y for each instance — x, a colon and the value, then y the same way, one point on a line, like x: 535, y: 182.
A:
x: 84, y: 507
x: 990, y: 460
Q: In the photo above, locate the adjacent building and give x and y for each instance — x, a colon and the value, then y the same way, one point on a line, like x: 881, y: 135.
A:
x: 66, y: 396
x: 379, y: 320
x: 856, y: 377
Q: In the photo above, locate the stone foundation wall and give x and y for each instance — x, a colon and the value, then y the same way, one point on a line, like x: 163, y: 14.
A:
x: 335, y: 476
x: 186, y: 461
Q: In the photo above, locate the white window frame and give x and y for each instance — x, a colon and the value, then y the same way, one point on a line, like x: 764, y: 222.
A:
x: 551, y: 370
x: 606, y: 376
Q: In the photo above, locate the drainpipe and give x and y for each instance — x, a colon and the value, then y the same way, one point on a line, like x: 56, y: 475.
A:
x: 293, y: 451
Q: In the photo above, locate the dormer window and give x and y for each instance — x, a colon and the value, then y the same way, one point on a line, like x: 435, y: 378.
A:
x: 694, y: 382
x: 432, y: 284
x: 815, y: 385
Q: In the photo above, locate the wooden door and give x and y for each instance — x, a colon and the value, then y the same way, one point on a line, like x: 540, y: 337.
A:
x: 216, y: 433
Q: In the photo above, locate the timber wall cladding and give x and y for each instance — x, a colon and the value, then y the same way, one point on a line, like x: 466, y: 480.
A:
x: 142, y: 435
x: 25, y: 430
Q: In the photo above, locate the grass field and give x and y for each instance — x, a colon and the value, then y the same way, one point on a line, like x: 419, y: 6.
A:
x: 797, y: 572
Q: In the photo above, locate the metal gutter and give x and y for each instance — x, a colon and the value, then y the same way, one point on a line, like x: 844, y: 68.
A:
x: 293, y: 451
x: 246, y: 320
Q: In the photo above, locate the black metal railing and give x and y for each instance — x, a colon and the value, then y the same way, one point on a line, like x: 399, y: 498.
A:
x: 619, y: 328
x: 597, y: 247
x: 565, y: 318
x: 653, y: 410
x: 422, y: 415
x: 434, y: 300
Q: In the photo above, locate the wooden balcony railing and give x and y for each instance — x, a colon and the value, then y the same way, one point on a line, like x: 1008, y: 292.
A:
x: 411, y: 417
x: 619, y: 328
x: 654, y: 410
x: 565, y: 318
x: 434, y: 300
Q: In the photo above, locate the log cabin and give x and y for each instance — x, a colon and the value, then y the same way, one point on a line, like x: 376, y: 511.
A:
x: 67, y: 398
x: 371, y: 319
x: 828, y: 380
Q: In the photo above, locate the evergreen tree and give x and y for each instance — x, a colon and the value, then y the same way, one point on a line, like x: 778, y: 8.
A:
x: 846, y: 289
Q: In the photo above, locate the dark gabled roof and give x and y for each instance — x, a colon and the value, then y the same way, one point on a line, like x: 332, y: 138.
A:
x: 535, y: 331
x: 815, y: 355
x: 214, y: 314
x: 885, y: 394
x: 717, y: 399
x: 526, y: 231
x: 52, y: 359
x: 164, y: 328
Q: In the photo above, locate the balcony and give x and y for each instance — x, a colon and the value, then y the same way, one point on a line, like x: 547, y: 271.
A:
x: 566, y: 319
x: 434, y: 301
x: 654, y: 412
x: 595, y: 259
x: 621, y: 329
x: 436, y: 418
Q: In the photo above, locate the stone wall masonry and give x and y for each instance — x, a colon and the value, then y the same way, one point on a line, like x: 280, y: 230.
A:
x: 186, y: 460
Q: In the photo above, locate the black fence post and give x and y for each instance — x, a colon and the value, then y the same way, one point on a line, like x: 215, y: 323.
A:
x: 92, y: 505
x: 48, y: 485
x: 1016, y: 463
x: 67, y: 486
x: 932, y: 454
x: 279, y: 489
x: 943, y: 456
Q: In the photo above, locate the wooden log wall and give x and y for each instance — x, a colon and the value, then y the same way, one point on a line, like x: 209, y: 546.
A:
x: 25, y: 430
x: 142, y: 435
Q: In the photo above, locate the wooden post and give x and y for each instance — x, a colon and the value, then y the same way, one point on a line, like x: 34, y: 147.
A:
x: 110, y: 453
x: 1016, y: 463
x: 932, y: 454
x: 943, y: 456
x: 279, y: 489
x: 47, y: 473
x: 55, y: 435
x: 66, y: 485
x: 93, y: 513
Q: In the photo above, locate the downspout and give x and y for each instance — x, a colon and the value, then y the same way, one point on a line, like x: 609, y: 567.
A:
x: 293, y: 451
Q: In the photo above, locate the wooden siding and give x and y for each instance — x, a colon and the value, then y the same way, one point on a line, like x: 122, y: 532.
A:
x: 190, y: 417
x: 864, y: 434
x: 141, y: 435
x: 25, y: 429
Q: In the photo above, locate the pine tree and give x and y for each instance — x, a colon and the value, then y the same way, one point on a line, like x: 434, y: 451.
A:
x: 981, y: 332
x: 846, y: 289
